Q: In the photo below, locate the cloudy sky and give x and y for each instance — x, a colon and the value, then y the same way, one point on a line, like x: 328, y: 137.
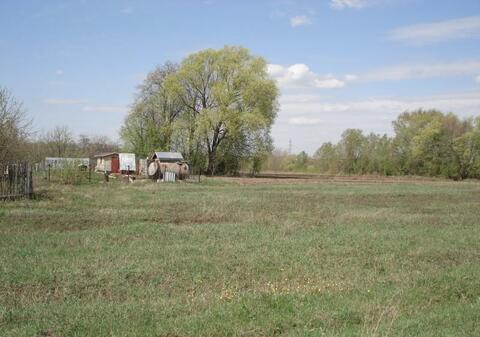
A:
x: 339, y: 63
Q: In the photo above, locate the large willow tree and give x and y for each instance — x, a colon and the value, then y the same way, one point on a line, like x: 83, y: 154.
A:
x: 217, y: 108
x: 149, y: 124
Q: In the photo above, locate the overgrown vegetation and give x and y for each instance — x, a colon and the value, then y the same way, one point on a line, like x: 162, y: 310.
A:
x: 426, y: 143
x: 223, y: 259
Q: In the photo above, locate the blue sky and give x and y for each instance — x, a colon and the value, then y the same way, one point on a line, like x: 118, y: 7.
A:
x: 339, y: 63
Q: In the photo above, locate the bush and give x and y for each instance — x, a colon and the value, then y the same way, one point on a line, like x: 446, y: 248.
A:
x: 71, y: 174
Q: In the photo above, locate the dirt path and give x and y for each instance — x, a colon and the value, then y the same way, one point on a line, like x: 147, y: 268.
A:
x: 299, y: 178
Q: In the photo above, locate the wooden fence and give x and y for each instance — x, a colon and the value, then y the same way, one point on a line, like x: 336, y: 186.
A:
x: 16, y: 181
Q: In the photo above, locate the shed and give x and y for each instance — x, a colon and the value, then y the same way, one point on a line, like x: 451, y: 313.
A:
x: 167, y: 166
x: 115, y: 162
x: 167, y: 157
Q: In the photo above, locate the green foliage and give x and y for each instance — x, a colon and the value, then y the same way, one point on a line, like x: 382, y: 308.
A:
x: 216, y: 108
x: 150, y: 123
x: 427, y: 143
x: 230, y: 103
x: 70, y: 173
x: 326, y: 157
x: 351, y: 148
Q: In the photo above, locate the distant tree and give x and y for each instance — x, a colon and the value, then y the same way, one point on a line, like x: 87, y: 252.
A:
x: 275, y: 159
x: 59, y: 142
x: 14, y: 128
x: 426, y: 142
x: 301, y: 161
x: 351, y: 148
x: 262, y: 147
x: 326, y: 158
x: 89, y: 146
x: 376, y: 155
x: 408, y: 128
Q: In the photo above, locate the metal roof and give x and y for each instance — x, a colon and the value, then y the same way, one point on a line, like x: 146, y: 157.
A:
x: 168, y: 155
x: 106, y: 154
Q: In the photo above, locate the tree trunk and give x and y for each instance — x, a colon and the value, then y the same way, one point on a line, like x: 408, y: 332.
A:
x: 212, y: 158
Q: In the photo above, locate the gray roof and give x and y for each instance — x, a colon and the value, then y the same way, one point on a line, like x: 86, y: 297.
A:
x: 168, y: 155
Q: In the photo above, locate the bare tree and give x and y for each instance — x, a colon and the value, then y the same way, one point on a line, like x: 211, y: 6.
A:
x: 60, y: 141
x: 14, y: 128
x: 89, y: 146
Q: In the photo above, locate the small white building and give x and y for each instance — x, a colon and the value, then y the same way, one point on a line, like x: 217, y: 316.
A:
x: 115, y: 162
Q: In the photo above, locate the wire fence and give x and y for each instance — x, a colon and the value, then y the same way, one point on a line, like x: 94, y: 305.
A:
x: 16, y: 180
x: 69, y: 173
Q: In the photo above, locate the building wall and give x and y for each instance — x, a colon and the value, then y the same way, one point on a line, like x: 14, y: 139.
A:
x: 104, y: 164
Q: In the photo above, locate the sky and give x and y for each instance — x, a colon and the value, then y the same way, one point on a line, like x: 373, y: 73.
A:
x: 339, y: 64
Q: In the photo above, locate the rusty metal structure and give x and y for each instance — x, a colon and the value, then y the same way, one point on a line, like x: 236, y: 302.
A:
x: 171, y: 162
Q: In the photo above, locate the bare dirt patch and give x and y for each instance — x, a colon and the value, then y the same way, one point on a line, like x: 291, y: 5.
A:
x: 298, y: 178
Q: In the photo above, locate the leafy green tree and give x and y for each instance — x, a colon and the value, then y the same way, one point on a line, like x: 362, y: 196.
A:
x: 227, y: 96
x: 351, y: 150
x: 150, y: 124
x: 301, y: 161
x: 326, y: 158
x: 377, y: 155
x: 408, y: 128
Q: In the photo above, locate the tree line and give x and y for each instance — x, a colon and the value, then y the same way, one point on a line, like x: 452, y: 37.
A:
x: 425, y: 143
x: 18, y: 142
x: 216, y: 107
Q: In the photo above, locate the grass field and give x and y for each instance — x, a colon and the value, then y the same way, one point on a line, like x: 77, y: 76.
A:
x: 224, y: 258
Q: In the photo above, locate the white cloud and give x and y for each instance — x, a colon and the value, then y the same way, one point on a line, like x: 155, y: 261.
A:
x: 477, y: 79
x: 434, y: 69
x: 351, y: 77
x: 301, y: 77
x: 341, y: 4
x: 304, y: 121
x: 60, y: 101
x: 301, y: 20
x: 105, y: 108
x: 438, y: 31
x: 59, y: 72
x: 458, y: 102
x: 329, y: 83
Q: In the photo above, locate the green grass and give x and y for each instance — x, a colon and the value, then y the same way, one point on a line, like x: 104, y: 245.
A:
x: 222, y: 259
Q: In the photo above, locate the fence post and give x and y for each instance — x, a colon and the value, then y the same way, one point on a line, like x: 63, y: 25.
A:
x: 16, y: 180
x: 49, y: 172
x: 30, y: 185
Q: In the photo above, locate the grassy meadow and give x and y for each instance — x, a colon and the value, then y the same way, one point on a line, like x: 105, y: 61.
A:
x: 224, y: 258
